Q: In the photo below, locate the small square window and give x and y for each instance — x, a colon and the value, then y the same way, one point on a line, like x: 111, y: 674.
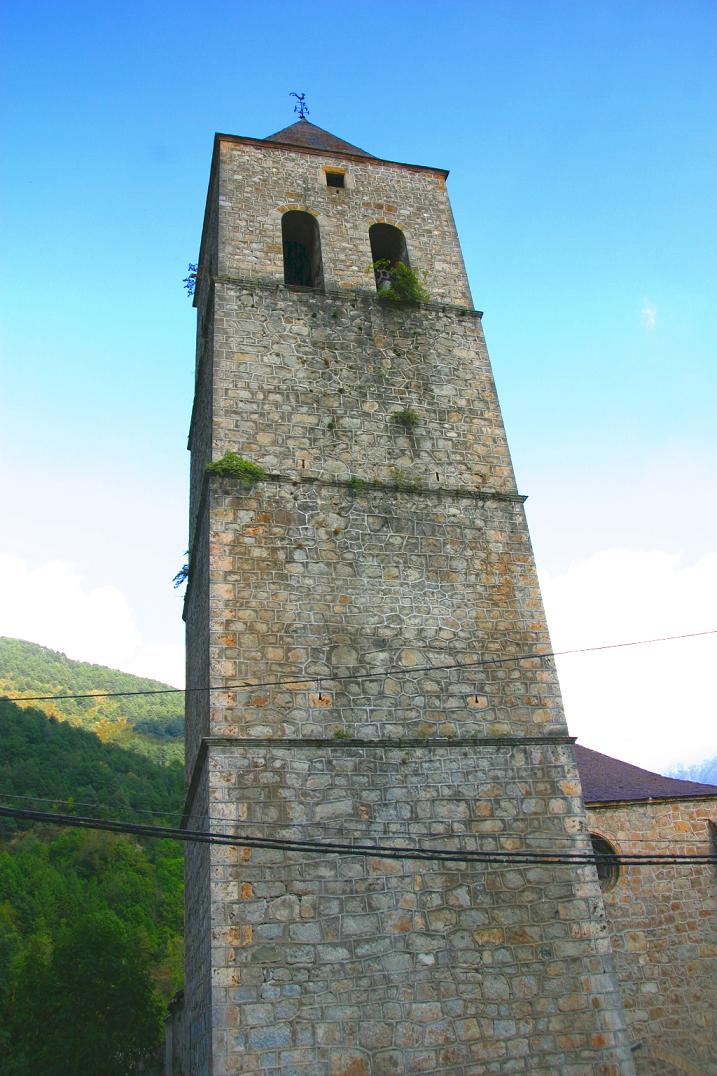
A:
x: 335, y: 179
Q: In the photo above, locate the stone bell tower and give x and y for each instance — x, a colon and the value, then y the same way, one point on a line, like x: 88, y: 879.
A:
x: 376, y: 585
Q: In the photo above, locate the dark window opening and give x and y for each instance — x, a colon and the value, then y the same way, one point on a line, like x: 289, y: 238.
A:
x: 608, y: 870
x: 335, y: 179
x: 388, y: 244
x: 302, y: 250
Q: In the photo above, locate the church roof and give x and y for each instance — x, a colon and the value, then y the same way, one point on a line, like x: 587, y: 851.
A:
x: 308, y: 135
x: 608, y: 780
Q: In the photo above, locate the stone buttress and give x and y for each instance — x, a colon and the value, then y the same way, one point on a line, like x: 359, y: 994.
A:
x: 350, y: 586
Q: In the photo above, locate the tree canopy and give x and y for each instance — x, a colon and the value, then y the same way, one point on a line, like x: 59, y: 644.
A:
x: 90, y: 922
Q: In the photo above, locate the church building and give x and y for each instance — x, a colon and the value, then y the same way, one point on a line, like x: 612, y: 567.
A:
x: 363, y: 600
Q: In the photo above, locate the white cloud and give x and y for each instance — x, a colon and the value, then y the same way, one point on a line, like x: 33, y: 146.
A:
x: 650, y: 705
x: 159, y: 661
x: 648, y: 313
x: 53, y: 605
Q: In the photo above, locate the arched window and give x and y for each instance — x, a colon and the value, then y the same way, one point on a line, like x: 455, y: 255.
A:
x: 302, y: 250
x: 388, y: 244
x: 608, y: 870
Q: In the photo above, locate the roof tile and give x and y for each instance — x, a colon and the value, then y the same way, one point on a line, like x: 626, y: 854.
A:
x: 308, y: 135
x: 607, y: 780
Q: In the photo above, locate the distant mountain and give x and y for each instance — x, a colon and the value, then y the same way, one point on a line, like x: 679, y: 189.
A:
x: 705, y: 771
x: 150, y: 725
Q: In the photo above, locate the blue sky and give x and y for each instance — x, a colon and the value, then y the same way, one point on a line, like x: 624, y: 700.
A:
x: 581, y: 143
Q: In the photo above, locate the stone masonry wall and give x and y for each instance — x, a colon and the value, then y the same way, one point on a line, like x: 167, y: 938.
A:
x: 200, y: 435
x: 355, y: 965
x: 315, y: 580
x: 196, y: 615
x: 310, y: 579
x: 198, y: 1012
x: 258, y: 184
x: 307, y: 384
x: 663, y: 925
x: 368, y: 568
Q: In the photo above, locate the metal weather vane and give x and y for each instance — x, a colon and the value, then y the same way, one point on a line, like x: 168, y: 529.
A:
x: 301, y: 107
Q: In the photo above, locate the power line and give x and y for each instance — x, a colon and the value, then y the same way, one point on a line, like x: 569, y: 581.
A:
x: 351, y: 821
x: 449, y: 855
x: 327, y: 678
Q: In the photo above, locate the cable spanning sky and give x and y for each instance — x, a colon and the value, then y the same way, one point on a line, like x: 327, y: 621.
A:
x: 581, y: 143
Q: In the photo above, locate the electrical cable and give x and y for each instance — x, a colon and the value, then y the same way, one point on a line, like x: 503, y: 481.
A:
x: 373, y: 851
x: 328, y: 678
x: 341, y: 823
x: 355, y: 820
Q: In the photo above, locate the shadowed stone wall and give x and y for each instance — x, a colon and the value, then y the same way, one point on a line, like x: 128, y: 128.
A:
x: 388, y: 559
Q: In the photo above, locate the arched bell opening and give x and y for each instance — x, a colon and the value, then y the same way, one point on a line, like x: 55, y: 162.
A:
x: 388, y: 245
x: 302, y: 250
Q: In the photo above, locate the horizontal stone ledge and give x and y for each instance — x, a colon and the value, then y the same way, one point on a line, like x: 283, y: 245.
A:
x: 368, y: 296
x: 378, y: 486
x: 402, y: 742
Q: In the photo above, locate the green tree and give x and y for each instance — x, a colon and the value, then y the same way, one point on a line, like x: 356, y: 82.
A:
x: 86, y: 1006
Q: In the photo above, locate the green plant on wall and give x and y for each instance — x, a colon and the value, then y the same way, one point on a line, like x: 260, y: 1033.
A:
x: 402, y: 284
x: 233, y: 466
x: 357, y: 484
x: 407, y: 417
x: 405, y: 481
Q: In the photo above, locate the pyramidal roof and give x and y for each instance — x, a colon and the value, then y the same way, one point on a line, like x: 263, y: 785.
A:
x: 308, y: 135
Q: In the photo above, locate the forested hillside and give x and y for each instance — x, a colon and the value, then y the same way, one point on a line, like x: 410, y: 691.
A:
x: 46, y: 759
x: 90, y: 922
x: 151, y: 725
